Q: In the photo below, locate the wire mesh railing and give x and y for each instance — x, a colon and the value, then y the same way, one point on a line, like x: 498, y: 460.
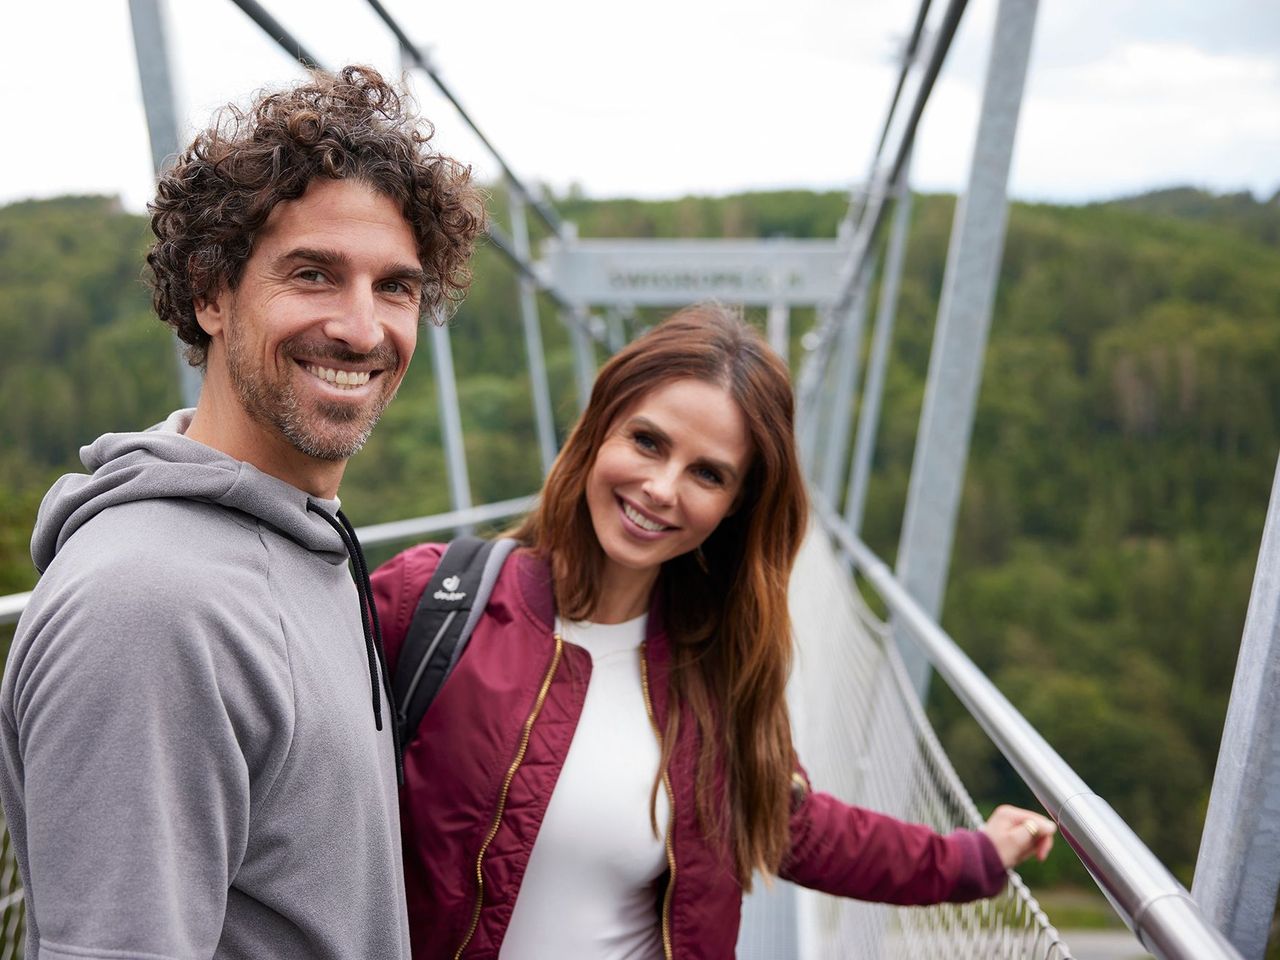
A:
x: 13, y: 907
x: 1139, y: 887
x: 861, y: 731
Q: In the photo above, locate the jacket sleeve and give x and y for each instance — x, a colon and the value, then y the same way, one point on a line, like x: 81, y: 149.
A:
x: 397, y: 587
x: 140, y: 730
x: 854, y: 852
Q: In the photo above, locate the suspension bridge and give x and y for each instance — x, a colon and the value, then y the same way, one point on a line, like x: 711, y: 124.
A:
x: 860, y: 680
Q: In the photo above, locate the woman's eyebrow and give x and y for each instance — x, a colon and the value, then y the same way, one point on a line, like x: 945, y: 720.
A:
x: 648, y: 425
x: 725, y: 468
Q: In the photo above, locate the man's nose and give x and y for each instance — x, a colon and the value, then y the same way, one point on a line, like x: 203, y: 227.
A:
x: 355, y: 322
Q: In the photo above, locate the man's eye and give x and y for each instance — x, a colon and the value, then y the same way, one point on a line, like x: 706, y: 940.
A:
x: 311, y: 275
x: 401, y: 289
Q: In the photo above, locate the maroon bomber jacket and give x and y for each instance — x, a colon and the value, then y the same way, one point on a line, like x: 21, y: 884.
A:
x: 480, y: 771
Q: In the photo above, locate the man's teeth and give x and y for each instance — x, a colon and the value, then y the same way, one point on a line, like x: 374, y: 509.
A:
x: 340, y: 378
x: 640, y: 520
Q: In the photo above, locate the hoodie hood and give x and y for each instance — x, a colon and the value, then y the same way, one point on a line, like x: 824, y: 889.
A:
x: 162, y: 463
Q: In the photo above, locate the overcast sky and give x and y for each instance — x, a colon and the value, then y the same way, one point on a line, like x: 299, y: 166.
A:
x: 667, y: 98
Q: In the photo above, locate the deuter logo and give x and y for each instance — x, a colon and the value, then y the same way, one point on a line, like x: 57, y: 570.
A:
x: 450, y: 593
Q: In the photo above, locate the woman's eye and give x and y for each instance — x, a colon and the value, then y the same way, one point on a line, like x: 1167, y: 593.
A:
x: 645, y: 442
x: 707, y: 475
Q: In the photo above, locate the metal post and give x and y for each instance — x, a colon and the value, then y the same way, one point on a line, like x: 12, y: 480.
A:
x: 778, y: 329
x: 158, y: 102
x: 848, y: 358
x: 964, y: 319
x: 869, y: 412
x: 584, y: 359
x: 455, y: 454
x: 1238, y: 871
x: 615, y: 332
x: 809, y: 411
x: 533, y: 335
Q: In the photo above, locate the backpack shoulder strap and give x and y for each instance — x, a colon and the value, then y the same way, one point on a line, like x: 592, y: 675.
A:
x: 447, y: 613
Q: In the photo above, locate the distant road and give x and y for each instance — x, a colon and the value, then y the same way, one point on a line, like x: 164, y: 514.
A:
x: 1104, y: 945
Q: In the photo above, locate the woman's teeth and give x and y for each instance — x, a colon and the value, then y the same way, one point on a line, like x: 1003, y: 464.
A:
x: 640, y: 520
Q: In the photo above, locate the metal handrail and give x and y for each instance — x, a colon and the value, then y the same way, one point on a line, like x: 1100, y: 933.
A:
x: 11, y: 606
x: 1150, y: 900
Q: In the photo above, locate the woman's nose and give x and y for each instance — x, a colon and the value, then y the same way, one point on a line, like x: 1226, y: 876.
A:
x: 660, y: 487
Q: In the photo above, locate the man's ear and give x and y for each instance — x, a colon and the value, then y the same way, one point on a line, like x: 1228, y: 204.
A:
x: 212, y: 314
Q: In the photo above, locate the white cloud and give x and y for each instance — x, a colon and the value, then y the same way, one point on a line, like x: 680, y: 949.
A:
x: 689, y: 96
x: 1150, y: 114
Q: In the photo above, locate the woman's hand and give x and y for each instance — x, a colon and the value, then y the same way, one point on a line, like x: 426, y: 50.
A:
x: 1018, y: 833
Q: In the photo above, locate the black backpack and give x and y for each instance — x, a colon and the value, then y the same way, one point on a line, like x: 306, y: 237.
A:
x: 446, y: 615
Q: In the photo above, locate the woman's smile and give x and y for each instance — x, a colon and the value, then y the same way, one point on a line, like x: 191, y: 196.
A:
x: 669, y: 470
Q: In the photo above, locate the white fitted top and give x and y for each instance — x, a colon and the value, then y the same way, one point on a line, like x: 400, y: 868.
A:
x: 589, y: 889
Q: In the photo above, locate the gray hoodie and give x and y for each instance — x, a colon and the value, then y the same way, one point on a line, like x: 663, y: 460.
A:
x: 190, y: 761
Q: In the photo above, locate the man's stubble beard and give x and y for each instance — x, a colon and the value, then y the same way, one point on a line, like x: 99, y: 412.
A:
x: 330, y: 431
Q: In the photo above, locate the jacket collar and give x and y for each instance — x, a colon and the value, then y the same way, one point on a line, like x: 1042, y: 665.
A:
x: 533, y: 578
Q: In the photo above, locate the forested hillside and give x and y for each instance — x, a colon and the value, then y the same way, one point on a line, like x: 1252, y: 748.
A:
x: 1122, y: 459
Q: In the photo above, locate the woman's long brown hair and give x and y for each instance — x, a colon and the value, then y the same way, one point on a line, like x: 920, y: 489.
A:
x: 726, y: 613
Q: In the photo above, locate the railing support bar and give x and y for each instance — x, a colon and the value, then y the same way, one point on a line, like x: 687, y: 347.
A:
x: 1238, y: 870
x: 778, y: 329
x: 845, y: 388
x: 964, y: 319
x: 873, y: 393
x: 584, y: 361
x: 538, y: 386
x: 152, y: 50
x: 455, y: 454
x: 811, y: 416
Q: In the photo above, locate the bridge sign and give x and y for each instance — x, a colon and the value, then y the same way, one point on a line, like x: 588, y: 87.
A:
x: 670, y: 273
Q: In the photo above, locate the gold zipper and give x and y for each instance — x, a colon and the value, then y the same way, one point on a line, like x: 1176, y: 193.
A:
x: 502, y: 797
x: 671, y: 812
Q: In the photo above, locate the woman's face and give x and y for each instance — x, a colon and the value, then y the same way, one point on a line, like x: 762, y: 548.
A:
x: 669, y: 470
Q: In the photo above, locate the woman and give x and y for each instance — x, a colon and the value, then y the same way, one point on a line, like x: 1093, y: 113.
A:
x: 611, y: 762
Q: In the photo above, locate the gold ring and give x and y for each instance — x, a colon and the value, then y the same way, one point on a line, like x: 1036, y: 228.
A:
x: 1032, y: 828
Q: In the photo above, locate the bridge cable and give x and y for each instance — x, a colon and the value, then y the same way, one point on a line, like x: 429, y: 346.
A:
x: 500, y: 241
x: 875, y: 213
x: 272, y: 27
x: 544, y: 211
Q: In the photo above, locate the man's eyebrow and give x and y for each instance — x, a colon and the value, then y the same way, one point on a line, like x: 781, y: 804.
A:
x: 326, y: 258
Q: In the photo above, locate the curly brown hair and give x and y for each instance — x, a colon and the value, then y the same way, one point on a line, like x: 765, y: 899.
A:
x: 211, y: 204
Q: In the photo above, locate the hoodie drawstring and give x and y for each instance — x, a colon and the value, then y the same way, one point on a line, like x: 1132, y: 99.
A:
x: 369, y: 621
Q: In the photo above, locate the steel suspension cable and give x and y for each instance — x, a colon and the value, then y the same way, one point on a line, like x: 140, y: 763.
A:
x: 500, y: 241
x: 874, y: 215
x: 272, y: 27
x: 908, y: 57
x: 545, y: 212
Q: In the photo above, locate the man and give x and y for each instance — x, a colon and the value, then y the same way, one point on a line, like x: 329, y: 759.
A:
x: 194, y: 725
